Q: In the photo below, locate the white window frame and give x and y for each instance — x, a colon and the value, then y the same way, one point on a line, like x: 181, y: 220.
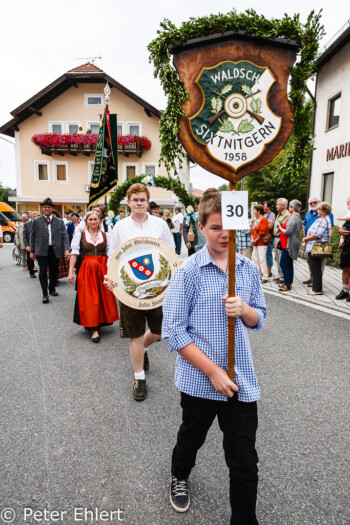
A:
x: 87, y: 95
x: 329, y: 102
x: 128, y: 124
x: 323, y: 183
x: 60, y: 163
x: 89, y: 123
x: 55, y: 122
x: 72, y: 122
x: 153, y: 164
x: 122, y: 124
x: 125, y: 164
x: 90, y: 170
x: 36, y: 171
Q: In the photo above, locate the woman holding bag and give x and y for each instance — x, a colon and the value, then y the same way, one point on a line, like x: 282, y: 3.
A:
x: 290, y: 241
x: 319, y: 231
x: 259, y: 229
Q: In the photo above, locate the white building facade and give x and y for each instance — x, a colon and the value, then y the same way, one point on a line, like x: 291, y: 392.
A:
x: 330, y: 166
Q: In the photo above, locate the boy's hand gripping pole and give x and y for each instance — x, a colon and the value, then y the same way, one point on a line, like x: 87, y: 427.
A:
x: 231, y: 293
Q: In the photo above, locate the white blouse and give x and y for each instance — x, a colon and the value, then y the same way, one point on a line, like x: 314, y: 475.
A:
x: 76, y: 241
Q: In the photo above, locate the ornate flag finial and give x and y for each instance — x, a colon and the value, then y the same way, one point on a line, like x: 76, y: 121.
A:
x: 107, y: 92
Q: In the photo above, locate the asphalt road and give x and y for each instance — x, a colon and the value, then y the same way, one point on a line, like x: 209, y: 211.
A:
x: 72, y: 439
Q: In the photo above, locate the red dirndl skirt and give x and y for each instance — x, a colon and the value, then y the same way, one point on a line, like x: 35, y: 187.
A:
x: 97, y: 305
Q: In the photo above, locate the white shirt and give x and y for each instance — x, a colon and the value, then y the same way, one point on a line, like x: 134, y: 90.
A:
x: 178, y: 219
x: 0, y: 231
x: 49, y: 229
x: 80, y: 227
x: 129, y: 229
x: 76, y: 241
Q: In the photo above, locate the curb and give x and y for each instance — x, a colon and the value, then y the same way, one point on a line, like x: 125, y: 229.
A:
x: 331, y: 309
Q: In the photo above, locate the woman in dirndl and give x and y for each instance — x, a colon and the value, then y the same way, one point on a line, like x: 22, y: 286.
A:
x: 95, y: 305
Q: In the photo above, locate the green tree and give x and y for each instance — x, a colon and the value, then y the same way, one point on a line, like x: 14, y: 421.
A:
x: 225, y: 187
x: 5, y: 195
x: 276, y: 179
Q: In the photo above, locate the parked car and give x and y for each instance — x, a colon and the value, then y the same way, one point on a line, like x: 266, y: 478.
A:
x: 9, y: 220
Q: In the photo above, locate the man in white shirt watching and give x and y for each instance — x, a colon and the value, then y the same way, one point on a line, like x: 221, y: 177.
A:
x: 132, y: 321
x: 178, y: 220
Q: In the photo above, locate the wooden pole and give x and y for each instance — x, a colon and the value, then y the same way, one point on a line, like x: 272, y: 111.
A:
x: 231, y: 293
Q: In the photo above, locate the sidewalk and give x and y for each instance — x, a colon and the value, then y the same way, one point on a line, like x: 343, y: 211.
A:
x: 332, y: 283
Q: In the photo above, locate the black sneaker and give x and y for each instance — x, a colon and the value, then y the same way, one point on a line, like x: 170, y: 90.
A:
x: 342, y: 295
x: 146, y: 362
x: 139, y: 389
x: 179, y: 494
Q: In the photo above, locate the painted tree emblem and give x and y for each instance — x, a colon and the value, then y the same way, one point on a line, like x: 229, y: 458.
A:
x: 235, y: 122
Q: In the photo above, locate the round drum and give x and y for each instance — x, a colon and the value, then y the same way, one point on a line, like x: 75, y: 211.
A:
x: 141, y: 270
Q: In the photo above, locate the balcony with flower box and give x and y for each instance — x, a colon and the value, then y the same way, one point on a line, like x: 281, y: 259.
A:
x: 85, y: 144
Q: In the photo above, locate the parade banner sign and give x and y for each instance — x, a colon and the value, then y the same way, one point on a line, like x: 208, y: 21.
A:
x: 105, y: 174
x: 141, y: 270
x: 238, y: 115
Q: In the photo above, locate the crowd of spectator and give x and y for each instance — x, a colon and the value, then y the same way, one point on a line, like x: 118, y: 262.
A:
x: 272, y: 240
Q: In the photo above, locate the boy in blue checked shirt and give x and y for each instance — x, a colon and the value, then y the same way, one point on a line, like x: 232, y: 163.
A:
x: 195, y: 324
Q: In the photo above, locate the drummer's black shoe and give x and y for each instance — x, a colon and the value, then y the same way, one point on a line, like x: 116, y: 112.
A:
x: 139, y: 389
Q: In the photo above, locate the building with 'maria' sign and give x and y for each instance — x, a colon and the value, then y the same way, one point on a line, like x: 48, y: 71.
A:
x: 330, y: 166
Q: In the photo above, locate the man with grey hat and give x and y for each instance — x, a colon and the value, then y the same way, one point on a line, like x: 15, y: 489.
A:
x: 48, y: 243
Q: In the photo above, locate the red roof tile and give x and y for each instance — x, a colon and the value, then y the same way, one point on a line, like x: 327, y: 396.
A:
x: 86, y: 68
x: 196, y: 193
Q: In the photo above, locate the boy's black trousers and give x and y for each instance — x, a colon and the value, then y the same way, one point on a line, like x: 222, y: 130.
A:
x: 238, y: 421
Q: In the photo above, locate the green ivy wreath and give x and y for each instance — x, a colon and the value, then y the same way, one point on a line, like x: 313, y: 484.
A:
x: 307, y: 36
x: 174, y: 185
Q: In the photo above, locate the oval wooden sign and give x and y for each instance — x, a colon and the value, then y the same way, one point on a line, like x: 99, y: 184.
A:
x: 141, y: 270
x: 238, y: 115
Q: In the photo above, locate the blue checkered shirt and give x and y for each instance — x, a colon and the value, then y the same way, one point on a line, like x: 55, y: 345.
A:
x: 193, y: 312
x: 322, y: 229
x: 243, y: 237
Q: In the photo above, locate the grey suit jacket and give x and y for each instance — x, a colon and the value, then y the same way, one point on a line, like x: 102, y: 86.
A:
x: 39, y: 237
x: 26, y: 232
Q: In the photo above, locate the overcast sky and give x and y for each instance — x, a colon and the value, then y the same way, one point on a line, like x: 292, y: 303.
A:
x: 41, y: 40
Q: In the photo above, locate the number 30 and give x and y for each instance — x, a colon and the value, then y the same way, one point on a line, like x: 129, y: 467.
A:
x: 231, y: 210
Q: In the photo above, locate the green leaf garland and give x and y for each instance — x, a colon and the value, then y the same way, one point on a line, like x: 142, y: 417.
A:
x: 307, y: 35
x: 171, y: 184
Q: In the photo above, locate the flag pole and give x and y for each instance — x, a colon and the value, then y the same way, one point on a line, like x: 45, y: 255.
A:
x: 231, y: 293
x: 107, y: 92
